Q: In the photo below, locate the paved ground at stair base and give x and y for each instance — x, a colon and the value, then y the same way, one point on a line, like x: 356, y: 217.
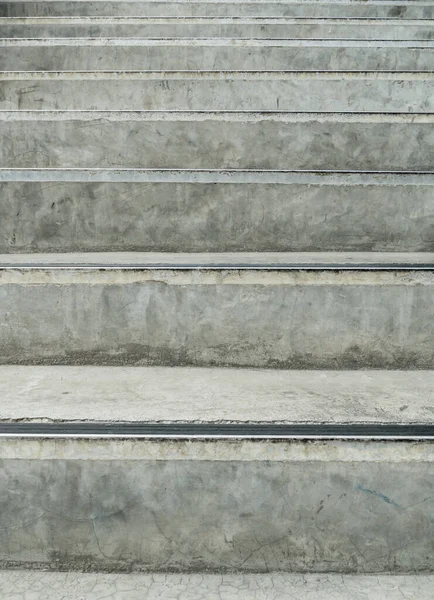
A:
x: 24, y: 585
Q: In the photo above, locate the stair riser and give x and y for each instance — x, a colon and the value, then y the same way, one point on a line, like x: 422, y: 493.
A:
x: 210, y: 57
x: 222, y: 142
x: 409, y: 10
x: 209, y: 92
x: 258, y: 319
x: 220, y: 507
x: 268, y: 31
x: 215, y: 217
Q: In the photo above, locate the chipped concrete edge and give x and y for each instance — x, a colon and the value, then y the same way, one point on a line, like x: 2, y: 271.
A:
x: 215, y: 450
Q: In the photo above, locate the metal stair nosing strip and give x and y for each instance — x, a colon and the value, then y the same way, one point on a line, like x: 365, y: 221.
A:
x: 212, y: 431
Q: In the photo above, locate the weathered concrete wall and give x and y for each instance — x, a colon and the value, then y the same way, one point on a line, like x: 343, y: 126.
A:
x: 215, y: 212
x: 215, y: 54
x: 318, y: 513
x: 247, y: 27
x: 239, y: 318
x: 371, y: 92
x: 380, y: 9
x: 217, y: 140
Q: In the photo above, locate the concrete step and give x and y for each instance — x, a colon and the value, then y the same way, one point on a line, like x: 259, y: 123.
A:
x: 92, y: 54
x: 217, y: 140
x: 94, y: 586
x: 217, y: 90
x: 209, y: 27
x: 407, y: 9
x: 97, y: 210
x: 325, y: 310
x: 74, y: 394
x: 213, y: 496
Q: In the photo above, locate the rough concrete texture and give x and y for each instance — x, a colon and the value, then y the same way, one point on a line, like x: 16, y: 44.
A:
x: 67, y: 211
x: 259, y: 318
x: 100, y: 447
x: 207, y: 90
x: 22, y: 585
x: 215, y: 140
x: 217, y: 515
x: 134, y: 262
x: 155, y: 394
x: 211, y: 27
x: 87, y: 54
x: 355, y: 9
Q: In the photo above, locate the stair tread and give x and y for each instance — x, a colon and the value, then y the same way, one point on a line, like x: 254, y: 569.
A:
x: 246, y: 116
x: 388, y: 9
x: 211, y: 41
x: 231, y: 260
x: 218, y: 74
x: 57, y: 20
x: 233, y: 176
x: 214, y: 395
x: 235, y: 2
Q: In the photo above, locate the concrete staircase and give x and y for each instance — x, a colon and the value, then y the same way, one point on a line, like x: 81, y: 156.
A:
x: 217, y: 291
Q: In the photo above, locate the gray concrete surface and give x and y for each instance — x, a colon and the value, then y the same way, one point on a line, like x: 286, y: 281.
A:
x: 207, y: 90
x: 168, y: 394
x: 21, y: 585
x: 207, y: 140
x: 88, y: 54
x: 21, y: 447
x: 367, y: 9
x: 210, y: 27
x: 135, y: 262
x: 296, y: 319
x: 217, y: 506
x: 141, y: 508
x: 187, y: 211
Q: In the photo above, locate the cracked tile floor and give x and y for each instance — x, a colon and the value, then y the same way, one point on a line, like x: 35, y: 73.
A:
x: 39, y: 585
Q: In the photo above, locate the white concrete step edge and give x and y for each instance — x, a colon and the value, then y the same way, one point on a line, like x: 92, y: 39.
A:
x: 219, y: 261
x: 230, y: 176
